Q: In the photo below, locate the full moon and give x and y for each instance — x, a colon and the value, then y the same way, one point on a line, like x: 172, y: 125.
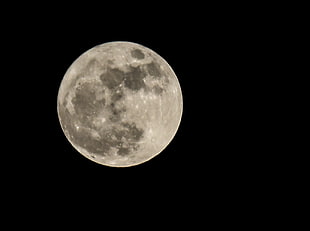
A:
x: 119, y: 104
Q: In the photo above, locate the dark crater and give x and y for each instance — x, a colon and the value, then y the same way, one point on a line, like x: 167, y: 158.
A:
x: 153, y: 69
x: 138, y: 54
x: 157, y: 90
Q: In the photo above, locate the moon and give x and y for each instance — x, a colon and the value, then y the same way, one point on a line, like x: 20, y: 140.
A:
x: 119, y: 104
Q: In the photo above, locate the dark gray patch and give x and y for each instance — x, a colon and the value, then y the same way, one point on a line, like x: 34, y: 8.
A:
x: 92, y: 145
x: 82, y: 137
x: 117, y: 95
x: 127, y: 138
x: 66, y: 119
x: 92, y: 63
x: 112, y: 78
x: 138, y: 54
x: 91, y: 66
x: 158, y: 90
x: 116, y: 113
x: 134, y: 79
x: 115, y: 117
x: 131, y: 132
x: 85, y: 103
x: 65, y: 100
x: 103, y: 145
x: 110, y: 62
x: 153, y: 69
x: 123, y: 151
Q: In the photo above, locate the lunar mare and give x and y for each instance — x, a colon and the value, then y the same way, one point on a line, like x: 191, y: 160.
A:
x: 119, y: 104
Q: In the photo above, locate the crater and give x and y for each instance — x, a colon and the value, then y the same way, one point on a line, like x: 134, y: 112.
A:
x: 157, y: 90
x: 138, y: 54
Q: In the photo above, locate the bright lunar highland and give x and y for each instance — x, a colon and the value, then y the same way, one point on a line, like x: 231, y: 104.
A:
x: 119, y: 104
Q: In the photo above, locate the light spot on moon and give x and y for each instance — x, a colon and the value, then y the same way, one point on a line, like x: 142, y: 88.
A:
x: 119, y: 104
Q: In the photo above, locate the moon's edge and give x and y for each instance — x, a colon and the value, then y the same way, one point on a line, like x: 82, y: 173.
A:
x: 132, y: 164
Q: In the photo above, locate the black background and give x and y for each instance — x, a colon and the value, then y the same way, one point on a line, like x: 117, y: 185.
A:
x: 212, y: 161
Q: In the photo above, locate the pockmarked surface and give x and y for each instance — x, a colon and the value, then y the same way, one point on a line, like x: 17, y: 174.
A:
x: 119, y: 104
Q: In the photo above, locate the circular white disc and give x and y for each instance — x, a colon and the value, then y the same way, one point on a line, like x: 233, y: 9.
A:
x: 119, y: 104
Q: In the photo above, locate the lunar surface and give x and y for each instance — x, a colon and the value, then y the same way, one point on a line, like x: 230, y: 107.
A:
x: 119, y: 104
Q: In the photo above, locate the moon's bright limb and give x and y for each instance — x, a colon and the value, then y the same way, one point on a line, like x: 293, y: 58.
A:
x: 119, y: 104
